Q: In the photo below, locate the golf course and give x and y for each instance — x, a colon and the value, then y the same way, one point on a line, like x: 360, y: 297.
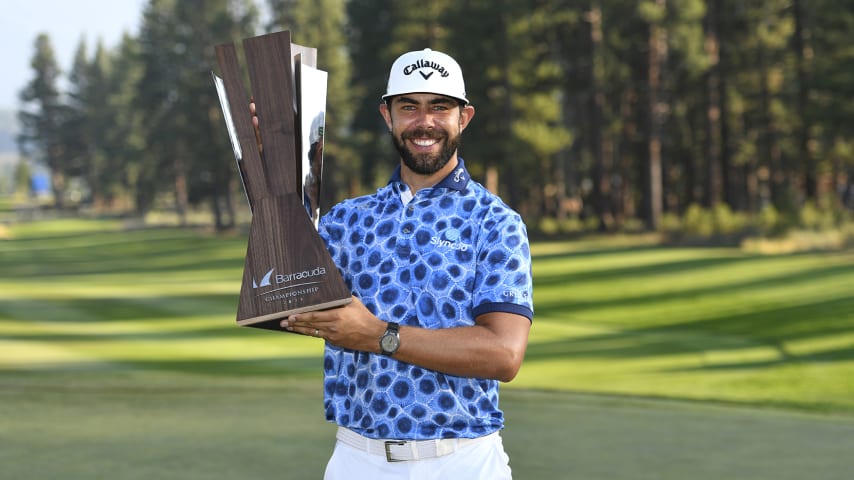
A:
x: 120, y: 358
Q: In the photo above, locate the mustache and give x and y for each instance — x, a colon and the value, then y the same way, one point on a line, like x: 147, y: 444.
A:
x: 424, y: 133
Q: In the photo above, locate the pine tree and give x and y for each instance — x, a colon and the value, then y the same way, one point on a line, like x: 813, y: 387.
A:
x: 179, y: 106
x: 42, y: 117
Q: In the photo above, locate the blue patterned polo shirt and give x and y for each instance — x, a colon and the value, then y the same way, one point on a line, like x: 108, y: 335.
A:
x: 448, y: 254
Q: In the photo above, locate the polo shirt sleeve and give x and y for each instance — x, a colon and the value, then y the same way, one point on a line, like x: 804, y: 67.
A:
x: 504, y: 282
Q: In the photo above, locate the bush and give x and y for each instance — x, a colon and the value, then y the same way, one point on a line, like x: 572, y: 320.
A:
x: 769, y: 222
x: 698, y: 221
x: 727, y: 222
x: 670, y: 223
x: 548, y: 226
x: 811, y: 217
x: 831, y: 227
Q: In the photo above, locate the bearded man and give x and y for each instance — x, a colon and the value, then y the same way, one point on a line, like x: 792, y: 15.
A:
x: 440, y: 271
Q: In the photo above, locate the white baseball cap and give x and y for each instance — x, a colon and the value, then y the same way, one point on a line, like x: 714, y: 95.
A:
x: 315, y: 132
x: 426, y: 71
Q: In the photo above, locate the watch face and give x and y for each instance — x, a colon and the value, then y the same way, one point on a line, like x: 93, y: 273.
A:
x: 389, y: 343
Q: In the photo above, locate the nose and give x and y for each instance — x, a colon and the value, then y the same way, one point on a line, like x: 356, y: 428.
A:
x: 425, y: 119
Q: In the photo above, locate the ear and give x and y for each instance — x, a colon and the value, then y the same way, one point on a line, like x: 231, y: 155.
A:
x: 466, y: 114
x: 384, y: 111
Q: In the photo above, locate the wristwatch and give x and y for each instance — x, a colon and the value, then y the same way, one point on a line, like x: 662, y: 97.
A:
x: 390, y: 341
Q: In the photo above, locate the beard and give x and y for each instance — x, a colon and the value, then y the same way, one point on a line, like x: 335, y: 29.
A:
x: 426, y: 163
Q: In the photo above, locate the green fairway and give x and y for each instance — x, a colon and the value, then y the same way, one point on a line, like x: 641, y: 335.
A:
x: 120, y: 358
x: 694, y: 323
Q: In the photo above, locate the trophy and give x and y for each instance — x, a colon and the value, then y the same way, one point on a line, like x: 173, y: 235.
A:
x: 287, y: 269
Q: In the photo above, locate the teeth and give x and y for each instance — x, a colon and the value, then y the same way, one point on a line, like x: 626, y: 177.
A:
x: 423, y: 143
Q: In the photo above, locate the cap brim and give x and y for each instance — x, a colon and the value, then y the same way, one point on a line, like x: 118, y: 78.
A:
x: 389, y: 95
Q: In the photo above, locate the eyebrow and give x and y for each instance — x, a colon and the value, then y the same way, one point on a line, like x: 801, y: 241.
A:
x: 435, y: 101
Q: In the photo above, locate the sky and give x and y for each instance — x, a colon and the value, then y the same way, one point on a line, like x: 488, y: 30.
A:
x: 66, y: 22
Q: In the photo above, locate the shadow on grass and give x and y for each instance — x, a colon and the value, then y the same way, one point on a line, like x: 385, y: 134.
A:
x: 594, y: 252
x: 697, y: 266
x: 138, y: 252
x: 118, y: 309
x: 771, y: 327
x: 307, y: 367
x: 301, y: 367
x: 841, y: 271
x: 842, y: 354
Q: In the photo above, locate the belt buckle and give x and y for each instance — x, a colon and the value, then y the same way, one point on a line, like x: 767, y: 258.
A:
x: 389, y: 443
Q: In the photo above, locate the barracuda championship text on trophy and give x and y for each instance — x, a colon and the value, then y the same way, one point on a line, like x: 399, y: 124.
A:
x: 288, y: 269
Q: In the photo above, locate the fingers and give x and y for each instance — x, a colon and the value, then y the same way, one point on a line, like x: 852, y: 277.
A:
x: 307, y: 330
x: 333, y: 325
x: 306, y: 324
x: 255, y: 124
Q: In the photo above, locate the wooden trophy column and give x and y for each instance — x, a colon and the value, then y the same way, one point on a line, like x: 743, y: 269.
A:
x: 288, y: 269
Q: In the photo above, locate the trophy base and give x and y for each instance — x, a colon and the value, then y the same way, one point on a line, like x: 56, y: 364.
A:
x: 271, y: 321
x: 288, y: 269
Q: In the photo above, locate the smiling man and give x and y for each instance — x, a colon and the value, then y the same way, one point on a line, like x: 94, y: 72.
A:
x: 440, y: 272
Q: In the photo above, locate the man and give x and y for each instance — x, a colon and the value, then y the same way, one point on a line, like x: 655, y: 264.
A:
x: 442, y: 307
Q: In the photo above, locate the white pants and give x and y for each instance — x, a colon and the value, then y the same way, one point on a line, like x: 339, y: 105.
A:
x: 484, y: 460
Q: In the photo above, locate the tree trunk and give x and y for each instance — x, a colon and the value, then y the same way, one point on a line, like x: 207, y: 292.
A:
x: 802, y: 55
x: 181, y: 193
x: 601, y: 187
x: 773, y: 187
x: 733, y: 194
x: 712, y: 139
x: 657, y: 110
x: 57, y: 185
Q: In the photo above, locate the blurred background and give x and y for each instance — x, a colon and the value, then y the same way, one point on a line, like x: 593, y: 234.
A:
x: 684, y: 168
x: 716, y: 119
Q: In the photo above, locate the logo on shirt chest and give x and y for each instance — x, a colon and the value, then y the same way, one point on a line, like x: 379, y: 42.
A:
x: 450, y: 242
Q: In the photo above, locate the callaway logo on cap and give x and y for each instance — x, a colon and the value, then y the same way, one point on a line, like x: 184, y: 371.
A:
x: 426, y: 71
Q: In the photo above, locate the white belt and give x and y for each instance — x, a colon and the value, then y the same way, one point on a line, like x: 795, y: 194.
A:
x: 403, y: 450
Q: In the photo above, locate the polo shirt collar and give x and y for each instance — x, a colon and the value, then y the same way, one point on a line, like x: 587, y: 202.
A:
x: 456, y: 180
